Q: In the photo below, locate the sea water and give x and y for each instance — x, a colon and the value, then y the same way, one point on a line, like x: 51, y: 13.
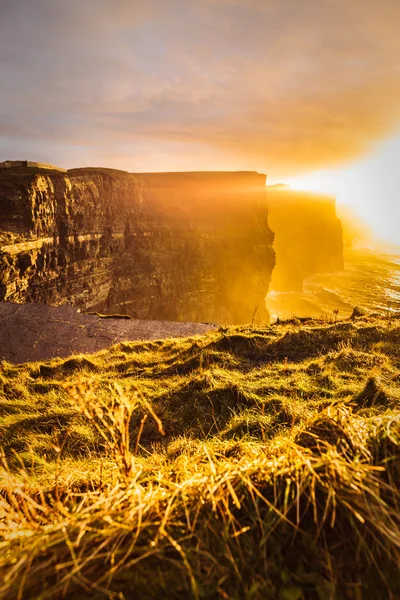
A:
x: 370, y: 279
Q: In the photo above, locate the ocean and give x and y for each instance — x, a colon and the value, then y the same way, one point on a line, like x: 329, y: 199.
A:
x: 370, y: 280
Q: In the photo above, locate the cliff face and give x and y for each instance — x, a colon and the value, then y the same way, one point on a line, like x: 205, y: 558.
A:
x: 189, y: 246
x: 308, y: 236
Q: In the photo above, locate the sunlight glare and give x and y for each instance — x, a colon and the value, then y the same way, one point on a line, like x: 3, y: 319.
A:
x: 371, y: 186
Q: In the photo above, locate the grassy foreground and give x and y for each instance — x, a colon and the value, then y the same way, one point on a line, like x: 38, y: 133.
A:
x: 247, y: 463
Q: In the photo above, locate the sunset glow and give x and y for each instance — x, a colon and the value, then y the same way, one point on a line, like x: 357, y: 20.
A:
x: 199, y: 299
x: 275, y: 86
x: 371, y: 186
x: 301, y: 91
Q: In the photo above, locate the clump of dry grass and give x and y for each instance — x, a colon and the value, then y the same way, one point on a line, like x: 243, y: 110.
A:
x: 217, y: 471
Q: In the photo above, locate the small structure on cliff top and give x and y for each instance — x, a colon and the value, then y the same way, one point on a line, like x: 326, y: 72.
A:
x: 9, y: 164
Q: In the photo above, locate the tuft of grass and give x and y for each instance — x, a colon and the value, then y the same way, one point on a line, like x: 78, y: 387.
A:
x: 246, y: 463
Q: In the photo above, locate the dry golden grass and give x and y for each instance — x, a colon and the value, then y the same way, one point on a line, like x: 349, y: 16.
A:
x: 248, y: 463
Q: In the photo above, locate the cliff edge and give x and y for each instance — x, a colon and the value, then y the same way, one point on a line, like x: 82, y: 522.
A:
x: 184, y: 246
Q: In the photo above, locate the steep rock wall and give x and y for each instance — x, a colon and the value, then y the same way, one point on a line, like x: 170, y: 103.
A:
x: 190, y: 246
x: 308, y: 236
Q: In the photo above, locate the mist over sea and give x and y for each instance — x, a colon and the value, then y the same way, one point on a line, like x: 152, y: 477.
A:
x: 370, y: 279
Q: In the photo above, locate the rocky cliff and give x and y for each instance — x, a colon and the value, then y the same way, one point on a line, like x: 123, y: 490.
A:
x: 308, y: 236
x: 189, y: 246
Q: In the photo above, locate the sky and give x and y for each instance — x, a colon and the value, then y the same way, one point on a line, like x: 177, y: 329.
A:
x: 369, y: 186
x: 290, y: 88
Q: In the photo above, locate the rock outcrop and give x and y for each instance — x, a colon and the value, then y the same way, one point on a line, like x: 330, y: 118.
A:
x: 308, y: 236
x: 185, y: 247
x: 31, y: 332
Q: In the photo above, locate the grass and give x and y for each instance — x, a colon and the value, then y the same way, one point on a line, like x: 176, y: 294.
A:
x: 246, y: 463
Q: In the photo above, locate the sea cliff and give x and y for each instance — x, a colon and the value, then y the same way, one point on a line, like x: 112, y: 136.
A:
x: 187, y: 246
x: 308, y: 236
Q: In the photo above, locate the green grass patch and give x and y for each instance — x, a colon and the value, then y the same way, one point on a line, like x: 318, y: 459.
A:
x: 245, y: 463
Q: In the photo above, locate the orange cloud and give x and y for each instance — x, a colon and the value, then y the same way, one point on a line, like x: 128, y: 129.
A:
x: 275, y: 85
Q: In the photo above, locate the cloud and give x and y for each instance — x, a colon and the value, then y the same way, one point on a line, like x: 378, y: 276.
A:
x: 275, y: 85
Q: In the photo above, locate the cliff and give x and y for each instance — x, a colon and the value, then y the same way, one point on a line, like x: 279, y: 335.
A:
x: 308, y: 236
x: 189, y: 246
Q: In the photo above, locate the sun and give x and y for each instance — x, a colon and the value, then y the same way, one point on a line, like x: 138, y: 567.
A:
x: 370, y: 186
x: 323, y: 182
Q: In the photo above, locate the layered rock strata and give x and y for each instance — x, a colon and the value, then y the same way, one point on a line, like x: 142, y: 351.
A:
x: 185, y: 247
x: 308, y: 236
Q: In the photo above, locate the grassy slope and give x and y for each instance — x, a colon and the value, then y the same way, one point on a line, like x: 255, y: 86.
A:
x: 242, y: 464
